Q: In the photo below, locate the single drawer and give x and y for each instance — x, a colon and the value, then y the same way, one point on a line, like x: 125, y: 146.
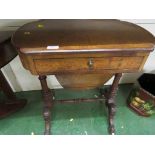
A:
x: 87, y: 64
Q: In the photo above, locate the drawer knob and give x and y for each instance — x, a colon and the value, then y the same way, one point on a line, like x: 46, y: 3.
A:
x: 90, y: 63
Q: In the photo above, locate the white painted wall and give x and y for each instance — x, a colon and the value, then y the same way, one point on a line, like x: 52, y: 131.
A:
x: 21, y: 79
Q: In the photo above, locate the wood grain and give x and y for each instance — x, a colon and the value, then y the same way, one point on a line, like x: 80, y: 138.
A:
x: 80, y: 81
x: 52, y: 66
x: 81, y: 35
x: 82, y: 54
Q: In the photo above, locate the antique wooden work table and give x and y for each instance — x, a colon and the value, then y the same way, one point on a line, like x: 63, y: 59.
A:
x: 83, y: 54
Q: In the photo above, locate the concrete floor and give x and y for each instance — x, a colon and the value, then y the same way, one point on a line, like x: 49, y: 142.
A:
x: 76, y: 119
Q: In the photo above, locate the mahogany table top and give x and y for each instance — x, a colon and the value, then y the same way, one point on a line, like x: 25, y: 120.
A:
x: 81, y: 35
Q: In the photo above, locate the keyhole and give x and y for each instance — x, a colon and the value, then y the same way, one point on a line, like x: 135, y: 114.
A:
x: 90, y: 63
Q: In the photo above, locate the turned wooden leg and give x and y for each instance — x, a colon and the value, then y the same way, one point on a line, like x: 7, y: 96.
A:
x: 110, y: 102
x: 48, y: 98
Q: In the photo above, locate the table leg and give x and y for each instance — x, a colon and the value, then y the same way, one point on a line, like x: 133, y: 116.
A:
x: 110, y: 102
x: 48, y: 97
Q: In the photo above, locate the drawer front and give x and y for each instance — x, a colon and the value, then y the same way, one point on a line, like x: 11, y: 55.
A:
x: 87, y: 64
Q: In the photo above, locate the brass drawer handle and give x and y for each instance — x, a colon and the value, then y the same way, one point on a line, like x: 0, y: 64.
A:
x: 90, y: 63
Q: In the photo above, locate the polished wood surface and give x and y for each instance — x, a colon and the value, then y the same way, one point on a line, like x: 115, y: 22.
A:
x: 81, y: 35
x: 70, y: 65
x: 83, y: 54
x: 79, y: 62
x: 80, y: 81
x: 48, y: 101
x: 78, y: 42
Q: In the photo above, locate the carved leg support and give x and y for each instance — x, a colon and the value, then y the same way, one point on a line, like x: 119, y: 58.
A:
x: 110, y: 102
x: 48, y: 97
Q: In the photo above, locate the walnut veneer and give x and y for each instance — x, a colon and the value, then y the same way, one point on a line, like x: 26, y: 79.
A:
x: 82, y: 54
